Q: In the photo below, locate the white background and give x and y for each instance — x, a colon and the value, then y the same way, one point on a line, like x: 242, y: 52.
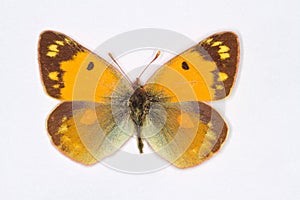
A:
x: 261, y: 157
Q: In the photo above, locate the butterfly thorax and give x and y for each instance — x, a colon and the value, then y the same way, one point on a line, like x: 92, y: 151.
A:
x: 139, y: 104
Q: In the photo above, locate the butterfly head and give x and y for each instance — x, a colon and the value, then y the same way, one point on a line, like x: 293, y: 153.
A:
x: 137, y: 84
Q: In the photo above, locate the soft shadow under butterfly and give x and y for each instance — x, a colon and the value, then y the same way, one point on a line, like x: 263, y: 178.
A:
x: 102, y: 109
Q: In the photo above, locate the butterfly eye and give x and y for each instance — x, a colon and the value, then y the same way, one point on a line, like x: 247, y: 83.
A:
x: 90, y: 66
x: 185, y: 66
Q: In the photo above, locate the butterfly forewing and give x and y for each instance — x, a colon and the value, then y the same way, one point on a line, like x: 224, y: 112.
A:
x: 205, y: 72
x: 71, y: 72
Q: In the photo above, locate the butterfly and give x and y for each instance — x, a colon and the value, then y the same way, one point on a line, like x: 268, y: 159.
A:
x: 101, y: 108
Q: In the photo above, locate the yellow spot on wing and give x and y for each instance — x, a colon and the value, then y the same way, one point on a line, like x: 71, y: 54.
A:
x: 208, y: 41
x: 219, y: 87
x: 89, y: 117
x: 216, y: 44
x: 56, y: 86
x: 223, y: 56
x: 61, y: 43
x: 64, y: 119
x: 209, y: 124
x: 53, y: 76
x: 223, y: 49
x: 53, y: 47
x: 210, y: 136
x: 51, y: 54
x: 222, y: 76
x: 63, y: 128
x: 67, y: 40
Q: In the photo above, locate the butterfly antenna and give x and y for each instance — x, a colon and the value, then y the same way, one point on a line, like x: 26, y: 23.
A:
x: 111, y: 56
x: 156, y: 56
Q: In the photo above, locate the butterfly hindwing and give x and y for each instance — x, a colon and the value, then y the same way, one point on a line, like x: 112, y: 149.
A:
x: 71, y: 72
x: 205, y: 72
x: 185, y: 134
x: 87, y: 132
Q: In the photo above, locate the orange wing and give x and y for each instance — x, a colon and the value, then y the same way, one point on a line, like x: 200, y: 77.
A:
x: 71, y: 72
x: 204, y: 72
